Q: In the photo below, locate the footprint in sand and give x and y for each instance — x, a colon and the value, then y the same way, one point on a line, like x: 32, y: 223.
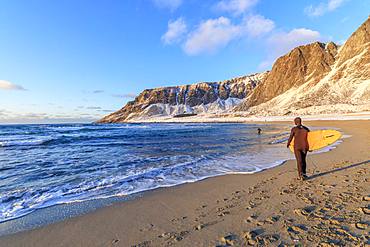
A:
x: 252, y: 204
x: 361, y: 225
x: 366, y: 198
x: 220, y: 209
x: 236, y: 192
x: 252, y: 219
x: 147, y: 227
x: 285, y: 191
x: 260, y: 223
x: 273, y: 219
x: 296, y: 229
x: 306, y: 211
x: 268, y: 239
x: 365, y: 210
x: 251, y: 235
x: 223, y: 213
x: 229, y: 240
x: 201, y: 207
x: 179, y: 220
x: 181, y: 235
x: 324, y: 244
x: 284, y: 202
x: 165, y: 235
x: 114, y: 241
x: 143, y: 244
x: 257, y: 237
x: 201, y: 226
x: 174, y: 236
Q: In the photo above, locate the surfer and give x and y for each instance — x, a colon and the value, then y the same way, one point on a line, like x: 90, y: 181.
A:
x: 299, y: 132
x: 259, y: 131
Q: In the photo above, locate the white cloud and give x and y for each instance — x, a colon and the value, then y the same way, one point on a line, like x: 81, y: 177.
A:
x: 7, y: 85
x: 44, y: 118
x: 235, y: 7
x: 299, y: 36
x: 323, y: 7
x: 105, y: 110
x: 125, y: 95
x: 168, y: 4
x: 315, y: 10
x: 93, y: 108
x: 7, y: 116
x: 280, y: 43
x: 214, y: 34
x: 257, y: 25
x: 334, y: 4
x: 211, y: 35
x: 3, y: 112
x: 175, y: 32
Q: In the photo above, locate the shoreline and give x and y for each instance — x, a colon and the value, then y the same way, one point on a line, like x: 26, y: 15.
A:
x: 147, y: 226
x: 76, y: 210
x: 37, y: 218
x: 209, y: 118
x: 32, y: 220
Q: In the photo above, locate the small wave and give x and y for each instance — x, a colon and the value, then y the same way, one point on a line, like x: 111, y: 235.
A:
x: 65, y: 128
x: 129, y: 126
x: 31, y: 142
x: 281, y: 140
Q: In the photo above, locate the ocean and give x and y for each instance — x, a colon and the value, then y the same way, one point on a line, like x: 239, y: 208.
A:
x: 53, y: 164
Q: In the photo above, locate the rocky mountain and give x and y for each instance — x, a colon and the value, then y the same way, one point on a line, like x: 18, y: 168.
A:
x: 304, y: 63
x: 317, y: 78
x: 203, y: 97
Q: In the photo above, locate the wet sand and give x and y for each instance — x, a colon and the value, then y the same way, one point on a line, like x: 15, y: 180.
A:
x: 270, y: 208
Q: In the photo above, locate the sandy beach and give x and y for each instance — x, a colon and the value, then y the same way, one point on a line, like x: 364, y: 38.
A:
x: 269, y: 208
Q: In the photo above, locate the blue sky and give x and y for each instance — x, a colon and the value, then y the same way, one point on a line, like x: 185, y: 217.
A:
x: 77, y: 60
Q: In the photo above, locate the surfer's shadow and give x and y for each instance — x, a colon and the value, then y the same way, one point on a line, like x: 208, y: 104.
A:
x: 337, y: 170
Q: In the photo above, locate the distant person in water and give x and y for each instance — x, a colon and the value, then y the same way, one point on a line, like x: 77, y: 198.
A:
x: 300, y: 132
x: 259, y: 131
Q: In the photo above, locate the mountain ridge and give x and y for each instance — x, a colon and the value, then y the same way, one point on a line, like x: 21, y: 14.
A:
x: 340, y: 79
x: 317, y: 78
x: 204, y: 97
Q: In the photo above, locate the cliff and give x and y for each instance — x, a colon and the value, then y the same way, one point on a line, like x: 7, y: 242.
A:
x: 317, y: 79
x: 309, y: 62
x: 203, y: 97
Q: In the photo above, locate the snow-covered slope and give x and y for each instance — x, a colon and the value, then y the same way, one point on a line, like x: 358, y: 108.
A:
x: 204, y: 97
x: 341, y: 85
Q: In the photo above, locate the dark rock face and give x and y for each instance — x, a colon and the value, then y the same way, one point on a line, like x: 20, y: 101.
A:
x: 190, y: 95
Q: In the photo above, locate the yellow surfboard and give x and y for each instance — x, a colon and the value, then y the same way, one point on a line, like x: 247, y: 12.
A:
x: 320, y: 138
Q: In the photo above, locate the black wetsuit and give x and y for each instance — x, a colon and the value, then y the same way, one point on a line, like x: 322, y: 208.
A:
x: 300, y: 147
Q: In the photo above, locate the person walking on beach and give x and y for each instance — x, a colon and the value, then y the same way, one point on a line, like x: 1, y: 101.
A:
x: 299, y: 132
